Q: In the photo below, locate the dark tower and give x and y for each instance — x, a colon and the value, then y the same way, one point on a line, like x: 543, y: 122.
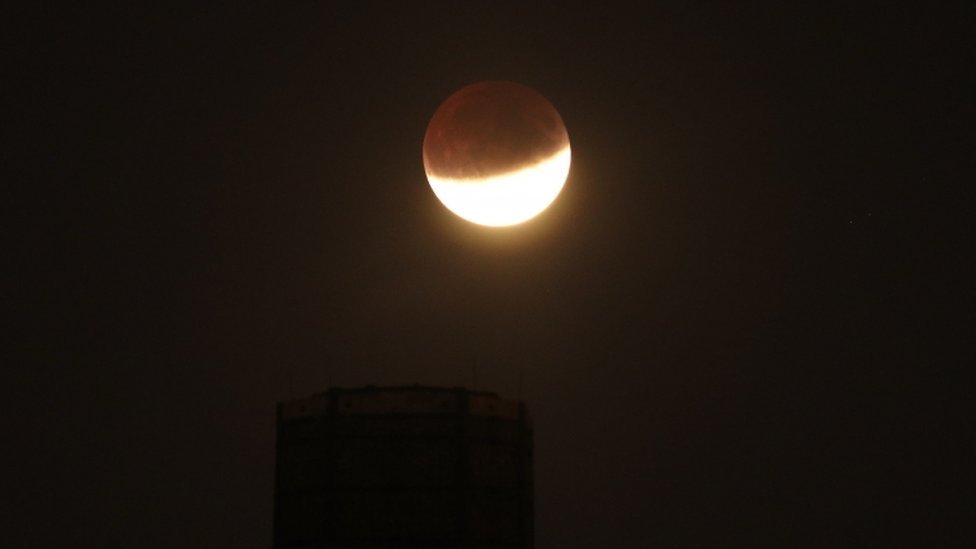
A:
x: 399, y: 467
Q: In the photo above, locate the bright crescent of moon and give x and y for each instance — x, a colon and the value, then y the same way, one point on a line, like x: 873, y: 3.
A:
x: 506, y: 199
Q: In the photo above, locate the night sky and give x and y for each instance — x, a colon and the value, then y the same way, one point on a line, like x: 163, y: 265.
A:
x: 742, y: 323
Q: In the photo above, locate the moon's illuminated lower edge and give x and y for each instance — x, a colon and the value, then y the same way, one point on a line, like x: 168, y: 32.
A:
x: 507, y: 199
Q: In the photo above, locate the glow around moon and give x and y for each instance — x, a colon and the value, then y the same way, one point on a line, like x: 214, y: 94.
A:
x: 496, y: 153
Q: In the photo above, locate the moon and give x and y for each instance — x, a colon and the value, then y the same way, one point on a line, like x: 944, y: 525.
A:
x: 496, y: 153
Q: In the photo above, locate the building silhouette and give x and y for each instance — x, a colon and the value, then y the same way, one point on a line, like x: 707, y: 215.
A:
x: 394, y: 467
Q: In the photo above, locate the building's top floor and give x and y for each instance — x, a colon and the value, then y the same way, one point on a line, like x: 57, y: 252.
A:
x: 402, y: 400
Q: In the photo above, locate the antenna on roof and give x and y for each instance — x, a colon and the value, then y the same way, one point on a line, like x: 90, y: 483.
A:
x: 291, y: 381
x: 518, y: 391
x: 474, y: 372
x: 329, y: 371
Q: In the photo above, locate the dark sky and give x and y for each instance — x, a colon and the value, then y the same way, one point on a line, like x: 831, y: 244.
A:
x: 741, y: 324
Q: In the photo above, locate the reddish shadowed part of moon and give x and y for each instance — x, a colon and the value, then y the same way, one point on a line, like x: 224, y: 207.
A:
x: 496, y: 153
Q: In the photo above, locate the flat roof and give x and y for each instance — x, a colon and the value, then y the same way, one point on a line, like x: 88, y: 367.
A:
x: 399, y: 400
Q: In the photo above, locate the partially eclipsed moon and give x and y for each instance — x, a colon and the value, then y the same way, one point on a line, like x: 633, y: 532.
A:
x: 496, y: 153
